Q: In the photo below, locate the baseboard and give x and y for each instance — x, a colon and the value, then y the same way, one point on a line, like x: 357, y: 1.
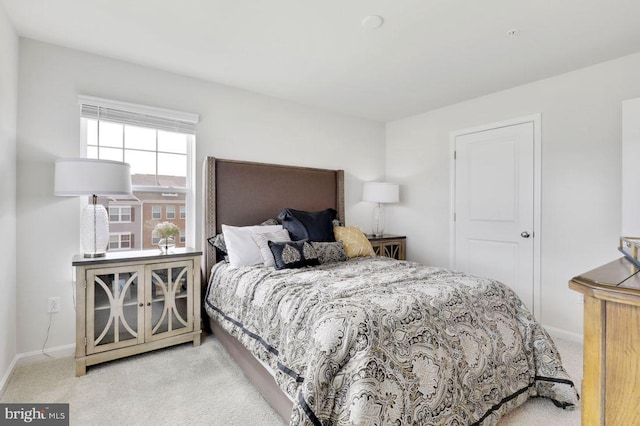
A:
x: 564, y: 334
x: 37, y: 356
x: 34, y: 358
x: 7, y: 375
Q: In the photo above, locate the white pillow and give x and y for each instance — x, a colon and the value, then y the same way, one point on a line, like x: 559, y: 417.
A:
x: 241, y: 249
x: 262, y: 241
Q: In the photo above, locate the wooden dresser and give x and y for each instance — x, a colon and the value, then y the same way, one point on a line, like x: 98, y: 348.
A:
x: 611, y: 382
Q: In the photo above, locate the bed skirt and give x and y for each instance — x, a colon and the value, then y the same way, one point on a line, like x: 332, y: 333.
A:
x: 257, y: 374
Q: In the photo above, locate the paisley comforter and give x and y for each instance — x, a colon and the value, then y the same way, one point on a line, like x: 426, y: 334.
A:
x: 383, y: 342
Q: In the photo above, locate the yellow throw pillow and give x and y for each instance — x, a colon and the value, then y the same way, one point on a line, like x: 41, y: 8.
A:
x: 354, y: 241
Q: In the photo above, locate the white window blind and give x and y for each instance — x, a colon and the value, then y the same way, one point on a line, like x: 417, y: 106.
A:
x: 138, y: 115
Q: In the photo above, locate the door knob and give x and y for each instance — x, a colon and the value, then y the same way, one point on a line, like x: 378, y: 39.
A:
x: 525, y: 234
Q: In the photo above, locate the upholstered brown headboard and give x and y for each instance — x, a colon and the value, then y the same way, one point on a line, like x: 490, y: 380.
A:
x: 243, y: 193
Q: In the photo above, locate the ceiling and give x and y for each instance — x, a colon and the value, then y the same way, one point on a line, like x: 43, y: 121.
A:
x: 427, y: 54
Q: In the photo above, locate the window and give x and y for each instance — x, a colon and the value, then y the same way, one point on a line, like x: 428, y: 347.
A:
x: 120, y: 241
x: 171, y: 212
x: 159, y: 146
x: 125, y: 241
x: 182, y: 236
x: 120, y: 214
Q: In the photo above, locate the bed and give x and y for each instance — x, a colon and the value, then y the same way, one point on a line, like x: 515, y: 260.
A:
x: 370, y: 340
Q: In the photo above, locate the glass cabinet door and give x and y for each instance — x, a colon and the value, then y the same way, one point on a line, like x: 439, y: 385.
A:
x: 391, y: 250
x: 114, y: 308
x: 171, y: 310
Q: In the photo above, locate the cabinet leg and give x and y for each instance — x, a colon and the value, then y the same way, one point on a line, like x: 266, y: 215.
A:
x: 196, y: 339
x: 81, y: 367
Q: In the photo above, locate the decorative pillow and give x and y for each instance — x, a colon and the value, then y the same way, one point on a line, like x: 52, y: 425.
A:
x: 355, y: 242
x: 313, y: 226
x: 241, y: 248
x: 330, y: 252
x: 293, y: 254
x: 217, y: 240
x: 262, y: 240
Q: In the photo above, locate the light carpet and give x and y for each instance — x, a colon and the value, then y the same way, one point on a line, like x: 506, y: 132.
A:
x: 186, y: 385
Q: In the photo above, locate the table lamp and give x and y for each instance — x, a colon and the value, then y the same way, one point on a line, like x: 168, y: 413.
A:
x: 78, y: 177
x: 381, y: 193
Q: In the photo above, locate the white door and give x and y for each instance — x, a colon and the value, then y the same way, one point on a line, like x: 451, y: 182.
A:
x: 494, y: 206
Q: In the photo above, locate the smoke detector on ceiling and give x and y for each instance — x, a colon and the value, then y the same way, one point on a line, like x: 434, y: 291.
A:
x: 372, y: 22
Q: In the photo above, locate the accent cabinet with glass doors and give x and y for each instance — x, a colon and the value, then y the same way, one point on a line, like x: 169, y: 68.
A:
x: 133, y: 302
x: 393, y: 246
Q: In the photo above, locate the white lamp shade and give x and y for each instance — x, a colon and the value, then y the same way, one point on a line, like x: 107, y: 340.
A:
x: 86, y: 176
x: 76, y: 177
x: 381, y: 192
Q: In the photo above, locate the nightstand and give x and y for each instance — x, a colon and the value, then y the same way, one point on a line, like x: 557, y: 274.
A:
x: 389, y: 245
x: 135, y: 301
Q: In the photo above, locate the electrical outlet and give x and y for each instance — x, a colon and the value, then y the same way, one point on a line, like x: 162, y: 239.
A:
x: 581, y: 298
x: 54, y: 305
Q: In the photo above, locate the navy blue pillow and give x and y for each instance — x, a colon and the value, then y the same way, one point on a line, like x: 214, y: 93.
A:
x: 312, y: 226
x: 293, y: 254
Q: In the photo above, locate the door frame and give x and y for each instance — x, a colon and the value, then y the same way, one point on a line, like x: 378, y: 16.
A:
x: 536, y: 119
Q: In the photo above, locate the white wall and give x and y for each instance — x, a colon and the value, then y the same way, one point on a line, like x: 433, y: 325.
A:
x: 234, y: 124
x: 630, y: 169
x: 581, y: 181
x: 8, y: 110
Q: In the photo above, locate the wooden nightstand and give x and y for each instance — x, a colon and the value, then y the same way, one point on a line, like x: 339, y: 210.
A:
x: 389, y: 245
x: 133, y: 302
